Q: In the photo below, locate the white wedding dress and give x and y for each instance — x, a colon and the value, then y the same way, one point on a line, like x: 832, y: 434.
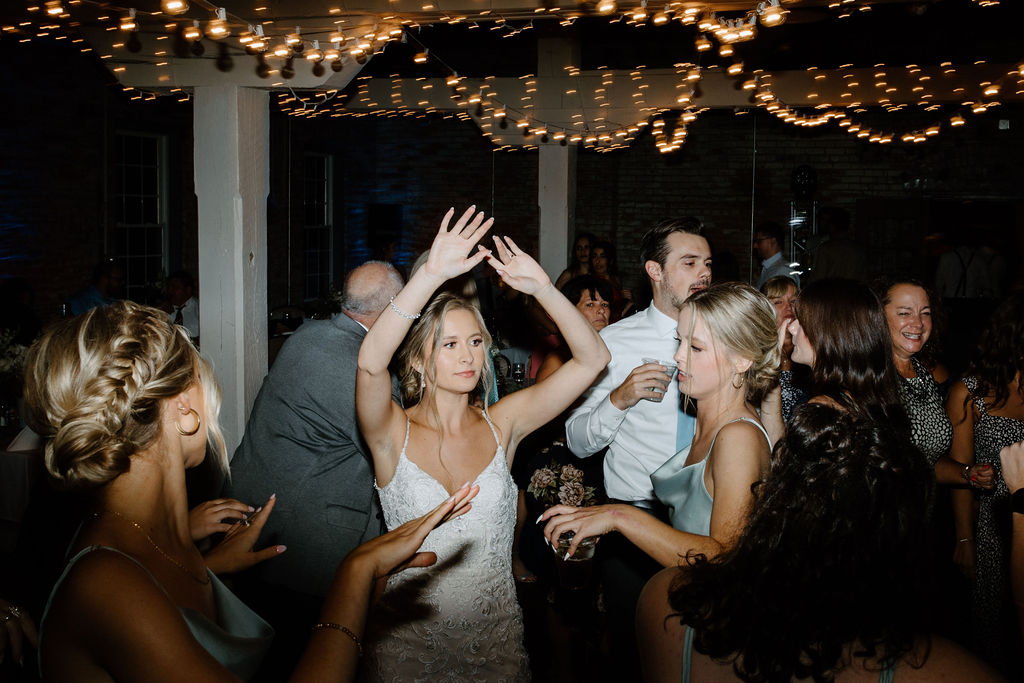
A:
x: 458, y: 620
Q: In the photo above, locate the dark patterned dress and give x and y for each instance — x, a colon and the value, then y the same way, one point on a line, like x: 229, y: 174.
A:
x: 930, y: 428
x: 996, y: 635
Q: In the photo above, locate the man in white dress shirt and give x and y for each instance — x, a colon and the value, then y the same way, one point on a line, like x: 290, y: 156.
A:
x: 635, y: 410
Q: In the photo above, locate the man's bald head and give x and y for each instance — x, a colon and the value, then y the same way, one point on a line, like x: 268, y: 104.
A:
x: 368, y: 289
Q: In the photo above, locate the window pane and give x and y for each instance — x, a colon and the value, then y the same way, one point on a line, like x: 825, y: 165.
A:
x: 138, y: 235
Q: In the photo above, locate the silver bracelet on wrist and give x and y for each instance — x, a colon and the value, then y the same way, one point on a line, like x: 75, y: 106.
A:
x: 399, y: 311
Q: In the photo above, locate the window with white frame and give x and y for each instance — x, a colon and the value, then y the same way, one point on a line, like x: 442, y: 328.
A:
x: 317, y: 226
x: 139, y: 198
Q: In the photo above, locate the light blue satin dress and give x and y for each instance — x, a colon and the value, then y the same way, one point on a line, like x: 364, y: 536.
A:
x: 681, y: 488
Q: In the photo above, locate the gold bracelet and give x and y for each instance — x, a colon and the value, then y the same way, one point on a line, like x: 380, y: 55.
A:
x: 347, y: 632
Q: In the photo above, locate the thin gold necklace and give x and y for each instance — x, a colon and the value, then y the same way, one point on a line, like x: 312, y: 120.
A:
x: 205, y: 579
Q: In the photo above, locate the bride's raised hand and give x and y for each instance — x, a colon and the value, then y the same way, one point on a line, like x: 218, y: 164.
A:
x: 517, y: 268
x: 449, y: 254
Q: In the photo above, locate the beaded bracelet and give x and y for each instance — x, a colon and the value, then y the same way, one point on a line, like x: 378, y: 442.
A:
x: 347, y: 632
x: 399, y: 311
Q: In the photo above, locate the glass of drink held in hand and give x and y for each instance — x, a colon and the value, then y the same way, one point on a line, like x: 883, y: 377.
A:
x: 670, y: 368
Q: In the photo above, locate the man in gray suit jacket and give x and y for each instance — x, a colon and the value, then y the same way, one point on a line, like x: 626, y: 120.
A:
x: 302, y: 443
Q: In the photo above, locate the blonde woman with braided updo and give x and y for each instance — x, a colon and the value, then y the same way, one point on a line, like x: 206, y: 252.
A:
x: 728, y: 359
x: 126, y: 405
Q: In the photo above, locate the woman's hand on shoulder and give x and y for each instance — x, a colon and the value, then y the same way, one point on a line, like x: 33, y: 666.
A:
x: 517, y: 268
x: 449, y: 253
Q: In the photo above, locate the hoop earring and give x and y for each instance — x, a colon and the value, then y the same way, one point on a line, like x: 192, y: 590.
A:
x: 733, y: 381
x: 194, y: 429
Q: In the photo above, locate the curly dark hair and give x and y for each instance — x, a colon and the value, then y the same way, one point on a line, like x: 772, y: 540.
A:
x: 834, y: 554
x: 853, y: 364
x: 931, y: 352
x: 998, y: 358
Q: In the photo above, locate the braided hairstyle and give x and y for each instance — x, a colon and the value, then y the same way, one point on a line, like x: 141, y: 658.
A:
x: 95, y: 386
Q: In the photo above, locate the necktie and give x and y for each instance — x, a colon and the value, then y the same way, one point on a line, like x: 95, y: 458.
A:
x: 178, y: 319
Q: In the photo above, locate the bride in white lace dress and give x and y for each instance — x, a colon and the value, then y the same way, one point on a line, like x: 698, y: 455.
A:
x: 457, y: 620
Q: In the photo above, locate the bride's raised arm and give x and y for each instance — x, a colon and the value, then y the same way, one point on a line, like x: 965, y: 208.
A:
x: 449, y: 257
x: 524, y: 411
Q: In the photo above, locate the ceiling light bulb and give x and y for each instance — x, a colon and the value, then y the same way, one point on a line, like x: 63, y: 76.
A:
x: 314, y: 55
x: 420, y: 58
x: 192, y: 33
x: 735, y: 69
x: 293, y: 38
x: 702, y: 44
x: 991, y: 91
x: 331, y: 54
x: 282, y: 50
x: 660, y: 19
x: 218, y: 27
x: 956, y: 120
x: 128, y: 21
x: 606, y: 6
x: 54, y: 8
x: 772, y: 14
x: 174, y: 6
x: 707, y: 23
x: 726, y: 50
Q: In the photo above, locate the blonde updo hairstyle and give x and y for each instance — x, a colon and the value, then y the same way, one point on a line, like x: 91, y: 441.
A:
x: 742, y: 320
x: 427, y: 333
x: 95, y: 386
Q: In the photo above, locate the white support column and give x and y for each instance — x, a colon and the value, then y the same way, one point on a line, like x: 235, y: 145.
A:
x: 556, y: 165
x: 556, y: 200
x: 232, y: 175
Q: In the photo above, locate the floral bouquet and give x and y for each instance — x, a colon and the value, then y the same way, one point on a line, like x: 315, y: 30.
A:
x: 558, y: 483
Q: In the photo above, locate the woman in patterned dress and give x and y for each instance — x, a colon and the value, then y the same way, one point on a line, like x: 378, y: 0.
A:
x: 987, y: 411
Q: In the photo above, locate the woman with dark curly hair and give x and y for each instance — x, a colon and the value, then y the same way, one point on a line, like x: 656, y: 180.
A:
x: 841, y: 333
x: 728, y: 358
x: 827, y: 581
x: 987, y: 410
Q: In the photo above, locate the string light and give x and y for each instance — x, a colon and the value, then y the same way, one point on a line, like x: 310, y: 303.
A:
x: 192, y: 33
x: 218, y: 27
x: 771, y: 13
x: 128, y: 21
x: 173, y: 7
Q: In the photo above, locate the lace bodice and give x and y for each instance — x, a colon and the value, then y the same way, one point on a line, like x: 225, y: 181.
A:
x: 458, y: 620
